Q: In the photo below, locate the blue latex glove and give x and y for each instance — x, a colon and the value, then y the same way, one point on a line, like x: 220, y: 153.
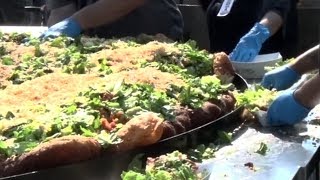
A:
x: 280, y: 78
x: 250, y: 44
x: 285, y: 110
x: 68, y: 27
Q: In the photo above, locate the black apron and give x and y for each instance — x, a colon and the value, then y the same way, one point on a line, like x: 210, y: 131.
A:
x: 156, y: 16
x: 225, y: 32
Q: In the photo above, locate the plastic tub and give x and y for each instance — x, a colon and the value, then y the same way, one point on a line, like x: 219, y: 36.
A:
x: 255, y: 69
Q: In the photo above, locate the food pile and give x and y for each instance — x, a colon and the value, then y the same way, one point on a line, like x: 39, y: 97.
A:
x: 174, y: 165
x: 69, y: 100
x: 256, y: 98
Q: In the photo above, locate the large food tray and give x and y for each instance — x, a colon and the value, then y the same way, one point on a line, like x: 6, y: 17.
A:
x: 110, y: 166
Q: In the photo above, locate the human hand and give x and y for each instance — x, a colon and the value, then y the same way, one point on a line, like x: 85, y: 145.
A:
x: 250, y: 44
x: 286, y: 110
x: 68, y: 27
x: 280, y: 78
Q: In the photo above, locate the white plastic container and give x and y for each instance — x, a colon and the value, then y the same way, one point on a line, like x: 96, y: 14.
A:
x: 255, y: 69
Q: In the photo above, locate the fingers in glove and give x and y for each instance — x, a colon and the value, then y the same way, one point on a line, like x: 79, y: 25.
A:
x: 236, y: 55
x: 233, y: 56
x: 242, y: 56
x: 270, y: 120
x: 252, y: 55
x: 49, y: 35
x: 248, y: 56
x: 41, y: 36
x: 266, y: 83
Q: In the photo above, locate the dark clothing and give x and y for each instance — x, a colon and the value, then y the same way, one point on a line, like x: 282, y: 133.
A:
x: 14, y: 12
x: 290, y: 45
x: 156, y: 16
x: 225, y: 32
x: 53, y: 4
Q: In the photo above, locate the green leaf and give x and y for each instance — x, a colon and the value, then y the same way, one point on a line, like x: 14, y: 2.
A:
x: 38, y: 52
x: 96, y: 123
x: 87, y: 132
x: 225, y: 137
x: 3, y: 51
x: 67, y: 130
x: 136, y: 163
x: 3, y: 147
x: 163, y: 175
x: 105, y: 139
x: 59, y: 42
x: 113, y: 104
x: 117, y: 87
x: 131, y: 175
x: 133, y: 111
x: 72, y: 109
x: 9, y: 115
x: 25, y: 146
x: 7, y: 60
x: 262, y: 149
x: 256, y: 98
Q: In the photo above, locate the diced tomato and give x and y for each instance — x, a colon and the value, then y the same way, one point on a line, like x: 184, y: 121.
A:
x: 105, y: 124
x: 108, y: 125
x: 113, y: 124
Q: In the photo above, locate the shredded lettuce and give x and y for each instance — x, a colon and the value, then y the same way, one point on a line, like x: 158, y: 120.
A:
x: 257, y: 98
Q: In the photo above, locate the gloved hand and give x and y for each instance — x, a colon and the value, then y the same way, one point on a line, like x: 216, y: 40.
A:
x: 250, y: 44
x: 286, y: 110
x: 68, y: 27
x: 280, y: 78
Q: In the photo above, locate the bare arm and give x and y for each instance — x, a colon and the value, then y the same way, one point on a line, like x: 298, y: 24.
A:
x: 307, y: 61
x: 309, y: 93
x: 61, y: 13
x: 105, y: 12
x: 273, y: 21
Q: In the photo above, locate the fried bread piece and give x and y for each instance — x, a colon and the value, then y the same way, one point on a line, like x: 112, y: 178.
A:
x: 168, y: 130
x: 180, y: 124
x: 207, y: 113
x: 223, y: 68
x: 229, y: 100
x: 142, y: 130
x: 182, y: 116
x: 56, y: 152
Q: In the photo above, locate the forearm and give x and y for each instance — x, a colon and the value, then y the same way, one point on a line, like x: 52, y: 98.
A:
x: 272, y: 21
x: 309, y: 94
x: 105, y: 12
x: 61, y: 13
x: 307, y: 61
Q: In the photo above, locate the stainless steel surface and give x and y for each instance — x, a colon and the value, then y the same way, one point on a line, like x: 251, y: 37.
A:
x: 290, y: 151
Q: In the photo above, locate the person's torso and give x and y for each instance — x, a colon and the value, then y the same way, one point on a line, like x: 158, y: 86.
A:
x: 247, y: 9
x: 156, y: 16
x: 227, y: 30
